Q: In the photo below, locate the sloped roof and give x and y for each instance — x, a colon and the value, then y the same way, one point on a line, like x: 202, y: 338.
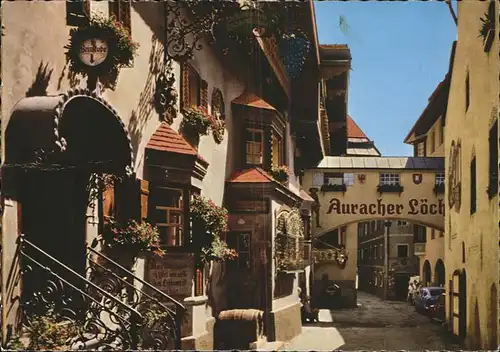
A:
x: 253, y: 175
x: 252, y: 100
x: 353, y: 130
x: 167, y: 139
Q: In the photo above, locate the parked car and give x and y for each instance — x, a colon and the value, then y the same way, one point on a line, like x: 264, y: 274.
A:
x: 427, y: 297
x: 437, y: 309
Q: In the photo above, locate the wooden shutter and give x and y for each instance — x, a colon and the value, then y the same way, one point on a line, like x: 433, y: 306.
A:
x: 204, y: 94
x: 185, y: 93
x: 108, y: 204
x: 144, y: 197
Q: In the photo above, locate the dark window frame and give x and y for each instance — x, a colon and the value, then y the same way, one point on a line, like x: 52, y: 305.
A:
x: 405, y: 245
x: 493, y: 142
x: 473, y: 186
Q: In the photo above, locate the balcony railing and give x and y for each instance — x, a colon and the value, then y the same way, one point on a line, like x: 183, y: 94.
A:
x: 419, y: 248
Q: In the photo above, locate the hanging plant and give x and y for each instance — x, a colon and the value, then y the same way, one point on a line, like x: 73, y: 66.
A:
x: 209, y: 222
x: 121, y: 49
x: 293, y: 49
x: 218, y: 128
x: 280, y: 173
x: 132, y: 237
x: 196, y: 119
x: 487, y: 24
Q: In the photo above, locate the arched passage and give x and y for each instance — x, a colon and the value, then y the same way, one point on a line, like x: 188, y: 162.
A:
x: 439, y: 273
x: 53, y: 145
x: 426, y: 273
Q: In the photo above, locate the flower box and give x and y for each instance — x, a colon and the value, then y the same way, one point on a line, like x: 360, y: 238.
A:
x: 334, y: 188
x: 390, y: 188
x: 196, y: 120
x: 439, y: 188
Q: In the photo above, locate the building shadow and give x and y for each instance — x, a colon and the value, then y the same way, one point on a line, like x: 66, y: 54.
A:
x: 41, y: 83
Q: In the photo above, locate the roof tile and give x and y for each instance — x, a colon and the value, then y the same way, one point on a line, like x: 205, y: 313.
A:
x: 167, y: 139
x: 254, y: 175
x: 252, y: 100
x: 353, y: 130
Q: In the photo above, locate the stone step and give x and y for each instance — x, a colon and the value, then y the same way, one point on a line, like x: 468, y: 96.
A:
x: 271, y: 346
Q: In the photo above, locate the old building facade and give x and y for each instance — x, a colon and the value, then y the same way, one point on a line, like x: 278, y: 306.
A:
x: 263, y: 133
x: 427, y: 137
x: 471, y: 152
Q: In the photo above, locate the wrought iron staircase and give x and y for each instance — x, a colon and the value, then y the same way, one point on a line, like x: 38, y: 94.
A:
x: 113, y: 308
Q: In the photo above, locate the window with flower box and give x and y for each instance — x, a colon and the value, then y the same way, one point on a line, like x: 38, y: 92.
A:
x: 389, y: 182
x: 334, y: 182
x: 169, y: 210
x: 120, y: 10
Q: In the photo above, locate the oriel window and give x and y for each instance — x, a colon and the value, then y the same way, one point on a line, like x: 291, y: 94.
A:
x: 277, y: 151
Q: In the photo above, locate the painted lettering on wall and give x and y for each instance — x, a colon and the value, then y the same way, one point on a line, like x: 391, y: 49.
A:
x: 172, y: 274
x: 414, y: 207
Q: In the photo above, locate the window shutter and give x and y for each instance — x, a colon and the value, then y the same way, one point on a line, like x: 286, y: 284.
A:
x: 144, y: 197
x: 108, y: 203
x: 185, y: 98
x: 204, y: 94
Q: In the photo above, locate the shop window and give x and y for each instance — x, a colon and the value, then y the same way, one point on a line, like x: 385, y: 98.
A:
x: 191, y: 87
x: 277, y: 151
x: 254, y: 146
x: 493, y: 160
x: 77, y: 12
x: 473, y: 186
x: 390, y: 179
x: 120, y: 10
x: 169, y: 215
x: 402, y: 250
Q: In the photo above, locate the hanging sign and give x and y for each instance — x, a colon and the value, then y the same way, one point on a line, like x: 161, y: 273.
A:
x: 93, y: 51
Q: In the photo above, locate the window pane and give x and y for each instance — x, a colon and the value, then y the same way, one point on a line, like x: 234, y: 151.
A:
x: 168, y: 197
x: 171, y: 235
x: 176, y: 217
x: 160, y: 216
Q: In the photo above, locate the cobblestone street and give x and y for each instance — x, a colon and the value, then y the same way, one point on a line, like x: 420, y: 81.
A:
x: 375, y: 325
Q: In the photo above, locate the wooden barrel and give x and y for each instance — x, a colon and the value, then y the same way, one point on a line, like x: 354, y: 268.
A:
x: 240, y: 327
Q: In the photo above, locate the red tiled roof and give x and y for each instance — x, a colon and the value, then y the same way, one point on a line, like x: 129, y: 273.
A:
x: 353, y: 130
x: 252, y: 100
x: 254, y: 175
x: 167, y: 139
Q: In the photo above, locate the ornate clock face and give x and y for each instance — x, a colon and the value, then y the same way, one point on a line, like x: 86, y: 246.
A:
x: 93, y: 51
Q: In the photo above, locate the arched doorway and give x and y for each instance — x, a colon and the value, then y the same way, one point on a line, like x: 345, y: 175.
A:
x: 426, y: 273
x: 493, y: 318
x: 439, y: 273
x: 53, y: 146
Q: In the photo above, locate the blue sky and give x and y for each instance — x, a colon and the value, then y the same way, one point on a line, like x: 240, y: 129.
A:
x: 400, y: 52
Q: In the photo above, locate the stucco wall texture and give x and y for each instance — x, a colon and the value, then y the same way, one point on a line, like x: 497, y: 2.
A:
x: 477, y: 232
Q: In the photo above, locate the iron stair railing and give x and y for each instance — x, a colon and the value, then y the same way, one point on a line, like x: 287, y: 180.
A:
x: 110, y: 310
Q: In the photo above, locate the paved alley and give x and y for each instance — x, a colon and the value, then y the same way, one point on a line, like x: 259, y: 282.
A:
x: 376, y: 325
